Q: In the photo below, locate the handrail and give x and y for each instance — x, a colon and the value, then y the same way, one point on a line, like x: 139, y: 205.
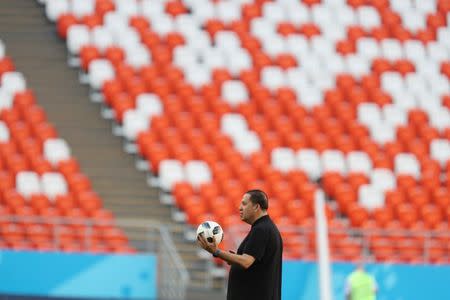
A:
x: 363, y: 237
x: 173, y: 275
x: 178, y: 288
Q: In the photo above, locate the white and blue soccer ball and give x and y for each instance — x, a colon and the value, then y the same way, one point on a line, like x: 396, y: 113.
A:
x: 210, y: 229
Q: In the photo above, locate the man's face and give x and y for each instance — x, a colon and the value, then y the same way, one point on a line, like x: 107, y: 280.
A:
x: 247, y: 209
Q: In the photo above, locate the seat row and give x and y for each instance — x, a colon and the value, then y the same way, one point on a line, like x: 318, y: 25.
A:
x: 41, y: 183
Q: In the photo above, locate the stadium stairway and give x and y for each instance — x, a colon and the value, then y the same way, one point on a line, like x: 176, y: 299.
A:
x: 38, y: 52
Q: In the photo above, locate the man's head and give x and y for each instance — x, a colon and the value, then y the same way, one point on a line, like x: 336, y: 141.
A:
x: 254, y: 204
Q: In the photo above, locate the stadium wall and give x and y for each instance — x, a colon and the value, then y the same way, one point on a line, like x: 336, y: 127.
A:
x: 78, y: 275
x: 395, y: 281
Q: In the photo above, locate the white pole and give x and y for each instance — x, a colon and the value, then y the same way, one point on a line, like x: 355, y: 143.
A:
x: 323, y: 252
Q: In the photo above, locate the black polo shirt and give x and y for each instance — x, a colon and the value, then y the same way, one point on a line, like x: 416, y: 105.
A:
x: 262, y: 280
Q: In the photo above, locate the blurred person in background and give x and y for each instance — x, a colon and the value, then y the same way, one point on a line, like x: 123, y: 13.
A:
x: 360, y: 285
x: 256, y: 267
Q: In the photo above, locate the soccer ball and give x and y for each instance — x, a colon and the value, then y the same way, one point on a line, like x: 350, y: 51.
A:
x: 210, y: 229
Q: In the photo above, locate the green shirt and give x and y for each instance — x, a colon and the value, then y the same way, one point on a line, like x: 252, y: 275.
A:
x: 361, y: 286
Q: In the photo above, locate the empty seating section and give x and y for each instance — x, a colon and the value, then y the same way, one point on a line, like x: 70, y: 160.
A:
x: 46, y: 202
x: 351, y: 97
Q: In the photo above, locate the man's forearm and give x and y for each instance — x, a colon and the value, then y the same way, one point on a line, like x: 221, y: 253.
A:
x: 244, y: 260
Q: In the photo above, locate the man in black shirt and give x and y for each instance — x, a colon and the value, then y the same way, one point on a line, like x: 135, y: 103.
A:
x: 256, y: 267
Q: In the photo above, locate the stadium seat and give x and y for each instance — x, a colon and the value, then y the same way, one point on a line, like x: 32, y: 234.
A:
x: 38, y: 175
x: 370, y: 124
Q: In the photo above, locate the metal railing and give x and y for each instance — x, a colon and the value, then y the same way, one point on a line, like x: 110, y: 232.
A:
x: 154, y: 238
x: 174, y: 277
x: 367, y: 243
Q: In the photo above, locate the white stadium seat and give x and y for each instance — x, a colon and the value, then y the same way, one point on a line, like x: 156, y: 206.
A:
x: 134, y: 122
x: 370, y: 197
x: 322, y: 46
x: 151, y: 8
x: 416, y: 84
x: 440, y: 150
x: 53, y: 184
x: 368, y: 48
x: 401, y: 5
x: 414, y: 50
x: 102, y: 38
x: 170, y: 172
x: 392, y: 82
x: 162, y: 24
x: 227, y: 40
x: 273, y: 77
x: 273, y: 12
x: 273, y: 45
x: 28, y: 183
x: 309, y: 97
x: 427, y: 68
x: 425, y: 6
x: 115, y: 22
x: 247, y: 143
x: 234, y: 92
x: 440, y: 118
x: 413, y: 20
x: 4, y: 131
x: 437, y: 52
x: 346, y: 16
x: 394, y: 115
x: 184, y: 56
x: 359, y: 162
x: 233, y: 124
x: 297, y: 13
x: 297, y: 45
x: 382, y: 133
x: 260, y: 28
x: 127, y: 38
x: 77, y: 37
x: 197, y: 75
x: 382, y: 179
x: 214, y: 58
x: 56, y: 150
x: 369, y: 114
x: 368, y: 17
x: 199, y: 41
x: 138, y: 56
x: 13, y: 82
x: 443, y: 37
x: 100, y: 70
x: 81, y: 8
x: 283, y: 159
x: 228, y: 11
x: 333, y: 161
x: 335, y: 64
x: 55, y: 8
x: 357, y: 65
x: 308, y: 160
x: 7, y: 99
x: 391, y: 49
x: 127, y: 7
x: 149, y: 104
x: 297, y: 77
x: 406, y: 163
x: 205, y: 10
x: 197, y: 173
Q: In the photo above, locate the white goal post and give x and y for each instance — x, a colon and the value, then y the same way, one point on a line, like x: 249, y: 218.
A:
x: 323, y: 250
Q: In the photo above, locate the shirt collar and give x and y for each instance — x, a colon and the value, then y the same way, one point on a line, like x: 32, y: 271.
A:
x: 265, y: 217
